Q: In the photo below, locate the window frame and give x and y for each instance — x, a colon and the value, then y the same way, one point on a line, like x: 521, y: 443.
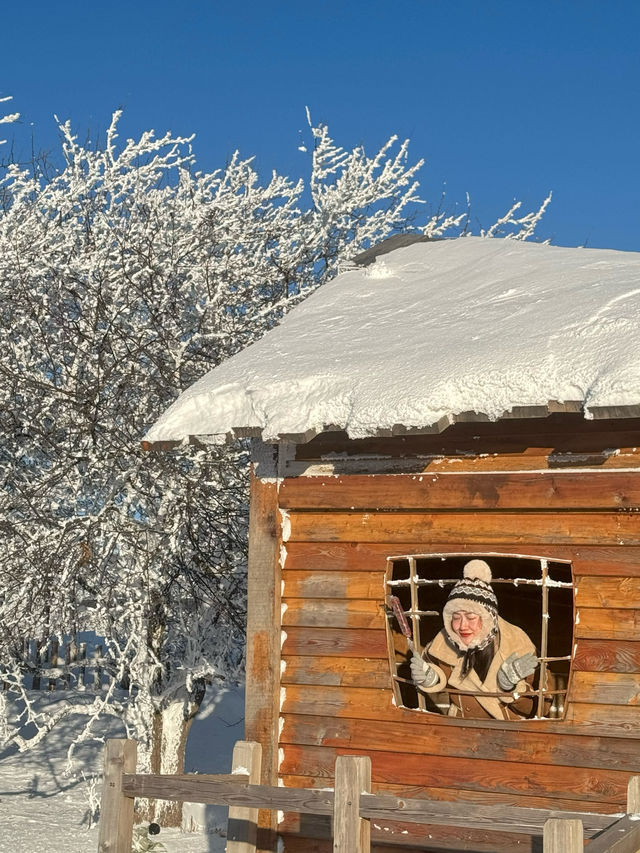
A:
x: 414, y: 614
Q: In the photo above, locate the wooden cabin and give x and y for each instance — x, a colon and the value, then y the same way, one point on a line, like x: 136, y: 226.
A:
x: 414, y: 447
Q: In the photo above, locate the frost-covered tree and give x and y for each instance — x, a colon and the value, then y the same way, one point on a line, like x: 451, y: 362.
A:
x: 124, y: 276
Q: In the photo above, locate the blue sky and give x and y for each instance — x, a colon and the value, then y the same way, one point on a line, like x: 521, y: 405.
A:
x: 503, y: 99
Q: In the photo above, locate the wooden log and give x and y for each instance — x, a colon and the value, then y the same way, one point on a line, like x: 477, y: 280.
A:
x: 329, y: 613
x: 527, y: 747
x: 606, y: 688
x: 613, y: 624
x: 243, y: 821
x: 576, y: 528
x: 623, y: 836
x: 549, y: 490
x: 115, y: 830
x: 608, y: 592
x: 335, y: 642
x: 263, y: 621
x: 606, y: 656
x: 317, y: 584
x: 601, y: 785
x: 351, y: 833
x: 563, y: 836
x: 352, y: 672
x: 620, y: 561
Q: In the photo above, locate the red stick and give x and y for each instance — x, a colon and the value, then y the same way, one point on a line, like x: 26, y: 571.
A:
x: 398, y: 612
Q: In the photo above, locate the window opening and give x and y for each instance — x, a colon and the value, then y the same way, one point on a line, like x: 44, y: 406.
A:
x: 535, y: 594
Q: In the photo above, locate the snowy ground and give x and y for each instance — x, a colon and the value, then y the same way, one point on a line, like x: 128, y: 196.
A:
x: 43, y: 810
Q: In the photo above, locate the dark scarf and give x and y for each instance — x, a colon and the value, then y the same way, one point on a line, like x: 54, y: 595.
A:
x: 479, y: 660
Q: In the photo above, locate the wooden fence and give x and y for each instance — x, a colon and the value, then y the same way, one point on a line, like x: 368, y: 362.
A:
x: 51, y: 665
x: 350, y: 802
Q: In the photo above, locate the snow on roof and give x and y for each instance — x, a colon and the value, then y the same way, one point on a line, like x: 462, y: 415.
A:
x: 431, y: 333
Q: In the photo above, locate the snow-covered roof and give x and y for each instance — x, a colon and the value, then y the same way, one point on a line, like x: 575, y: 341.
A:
x: 432, y: 333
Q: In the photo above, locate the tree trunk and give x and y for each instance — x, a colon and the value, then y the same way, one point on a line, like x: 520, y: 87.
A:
x: 170, y: 729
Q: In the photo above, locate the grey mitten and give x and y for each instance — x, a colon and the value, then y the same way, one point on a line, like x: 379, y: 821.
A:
x: 515, y: 669
x: 422, y: 673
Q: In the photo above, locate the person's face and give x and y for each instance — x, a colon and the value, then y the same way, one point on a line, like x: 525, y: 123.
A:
x: 466, y: 625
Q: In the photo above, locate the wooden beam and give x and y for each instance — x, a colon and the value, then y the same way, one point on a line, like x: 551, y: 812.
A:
x: 563, y: 836
x: 243, y: 821
x: 116, y: 809
x: 262, y: 702
x: 623, y: 836
x: 351, y: 832
x: 482, y: 491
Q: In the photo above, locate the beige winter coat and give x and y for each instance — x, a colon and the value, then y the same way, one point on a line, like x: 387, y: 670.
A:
x: 447, y: 662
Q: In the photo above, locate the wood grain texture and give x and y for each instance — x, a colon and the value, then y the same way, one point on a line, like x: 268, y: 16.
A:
x: 351, y: 833
x: 620, y: 593
x: 457, y: 795
x: 606, y: 688
x: 597, y: 785
x: 614, y: 624
x: 369, y: 704
x: 621, y: 837
x: 619, y: 560
x: 597, y: 528
x: 332, y: 613
x: 335, y: 642
x: 563, y: 836
x: 607, y: 656
x: 552, y: 490
x: 242, y: 825
x: 116, y: 808
x: 263, y: 631
x: 499, y: 745
x: 319, y: 584
x: 346, y: 672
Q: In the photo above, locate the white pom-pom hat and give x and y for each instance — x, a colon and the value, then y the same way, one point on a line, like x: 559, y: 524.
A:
x: 473, y: 594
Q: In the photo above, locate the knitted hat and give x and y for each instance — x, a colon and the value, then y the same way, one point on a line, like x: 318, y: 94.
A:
x: 473, y: 594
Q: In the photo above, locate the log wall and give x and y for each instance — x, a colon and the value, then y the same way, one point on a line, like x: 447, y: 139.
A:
x: 569, y: 491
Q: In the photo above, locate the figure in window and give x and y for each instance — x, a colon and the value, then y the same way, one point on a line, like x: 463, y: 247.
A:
x: 484, y: 663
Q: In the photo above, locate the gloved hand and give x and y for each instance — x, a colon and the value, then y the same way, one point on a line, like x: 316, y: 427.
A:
x: 422, y: 673
x: 515, y: 669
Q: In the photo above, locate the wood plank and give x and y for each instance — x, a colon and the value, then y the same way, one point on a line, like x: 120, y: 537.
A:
x: 622, y: 837
x: 427, y: 739
x: 606, y: 688
x: 242, y: 825
x: 578, y: 528
x: 563, y: 836
x: 329, y: 613
x: 351, y: 833
x: 561, y: 432
x: 615, y: 624
x: 351, y: 672
x: 532, y: 461
x: 383, y: 807
x: 318, y: 584
x: 553, y: 490
x: 600, y: 785
x: 609, y: 592
x: 606, y: 656
x: 370, y: 704
x: 116, y: 808
x: 335, y: 642
x: 456, y: 795
x: 619, y: 560
x: 263, y: 624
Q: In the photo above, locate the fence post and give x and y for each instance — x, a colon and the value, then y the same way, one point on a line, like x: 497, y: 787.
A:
x: 116, y: 810
x: 633, y: 795
x: 563, y: 836
x: 351, y: 833
x: 242, y: 829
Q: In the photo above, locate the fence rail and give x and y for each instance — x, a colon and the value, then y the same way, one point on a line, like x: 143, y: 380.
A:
x: 351, y: 804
